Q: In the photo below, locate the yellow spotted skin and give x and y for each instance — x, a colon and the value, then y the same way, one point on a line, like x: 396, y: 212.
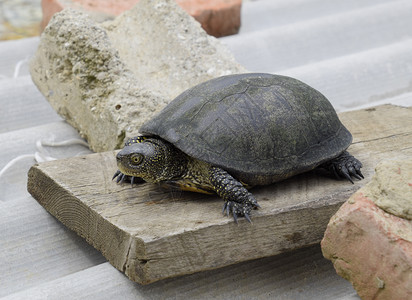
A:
x: 195, y: 178
x: 134, y: 140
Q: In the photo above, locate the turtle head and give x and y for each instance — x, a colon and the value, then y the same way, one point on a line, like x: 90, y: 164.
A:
x: 153, y: 159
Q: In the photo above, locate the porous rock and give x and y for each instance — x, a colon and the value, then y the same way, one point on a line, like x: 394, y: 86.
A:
x: 392, y: 188
x: 369, y: 246
x: 106, y: 80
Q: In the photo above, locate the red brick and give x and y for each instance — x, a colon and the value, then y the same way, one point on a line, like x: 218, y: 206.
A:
x: 371, y: 248
x: 217, y: 17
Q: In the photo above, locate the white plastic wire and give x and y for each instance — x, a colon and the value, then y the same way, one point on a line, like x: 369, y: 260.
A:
x: 42, y: 155
x: 18, y: 66
x: 65, y: 143
x: 13, y: 161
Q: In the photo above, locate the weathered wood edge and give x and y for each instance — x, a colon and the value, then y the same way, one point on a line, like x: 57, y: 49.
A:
x: 56, y: 194
x: 285, y: 229
x: 294, y: 235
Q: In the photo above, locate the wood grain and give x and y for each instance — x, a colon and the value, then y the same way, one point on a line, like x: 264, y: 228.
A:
x: 151, y: 233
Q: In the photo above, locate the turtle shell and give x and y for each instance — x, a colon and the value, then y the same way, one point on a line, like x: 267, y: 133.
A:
x: 261, y: 128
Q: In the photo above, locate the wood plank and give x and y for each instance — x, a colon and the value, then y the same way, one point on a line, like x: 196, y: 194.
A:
x: 151, y: 234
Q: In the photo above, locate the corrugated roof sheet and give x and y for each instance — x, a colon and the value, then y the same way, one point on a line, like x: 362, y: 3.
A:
x: 357, y: 53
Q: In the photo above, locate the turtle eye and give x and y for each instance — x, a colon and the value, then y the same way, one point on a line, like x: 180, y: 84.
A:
x: 136, y: 159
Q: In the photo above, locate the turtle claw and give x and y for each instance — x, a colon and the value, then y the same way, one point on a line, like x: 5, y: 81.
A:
x: 344, y: 171
x: 116, y: 174
x: 248, y: 218
x: 239, y: 210
x: 345, y: 166
x: 347, y: 176
x: 225, y: 209
x: 133, y: 181
x: 234, y: 215
x: 120, y: 178
x: 357, y: 176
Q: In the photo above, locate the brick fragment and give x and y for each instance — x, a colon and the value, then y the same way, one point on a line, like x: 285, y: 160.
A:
x: 369, y: 246
x: 217, y: 17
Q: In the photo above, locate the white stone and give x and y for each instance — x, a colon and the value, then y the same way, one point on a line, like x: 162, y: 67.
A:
x: 393, y: 187
x: 105, y: 79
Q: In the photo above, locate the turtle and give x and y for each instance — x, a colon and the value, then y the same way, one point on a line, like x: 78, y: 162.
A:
x: 229, y: 134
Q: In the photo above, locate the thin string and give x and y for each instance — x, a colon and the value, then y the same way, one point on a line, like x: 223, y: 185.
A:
x: 42, y: 155
x: 17, y: 68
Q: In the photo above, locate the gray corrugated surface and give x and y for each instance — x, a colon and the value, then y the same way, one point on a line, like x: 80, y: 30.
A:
x: 353, y: 55
x: 13, y: 52
x: 338, y: 33
x: 297, y: 275
x: 21, y: 98
x: 273, y: 13
x: 356, y: 52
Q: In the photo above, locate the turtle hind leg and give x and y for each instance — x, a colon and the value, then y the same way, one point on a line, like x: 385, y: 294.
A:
x: 237, y: 198
x: 344, y: 166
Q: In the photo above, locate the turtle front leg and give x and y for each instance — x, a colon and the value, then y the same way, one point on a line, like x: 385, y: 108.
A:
x: 344, y: 166
x: 237, y: 198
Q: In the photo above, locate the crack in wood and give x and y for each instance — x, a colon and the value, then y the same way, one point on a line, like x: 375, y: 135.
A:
x: 384, y: 137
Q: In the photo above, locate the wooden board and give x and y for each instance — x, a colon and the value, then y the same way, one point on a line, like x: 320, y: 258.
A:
x: 151, y: 233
